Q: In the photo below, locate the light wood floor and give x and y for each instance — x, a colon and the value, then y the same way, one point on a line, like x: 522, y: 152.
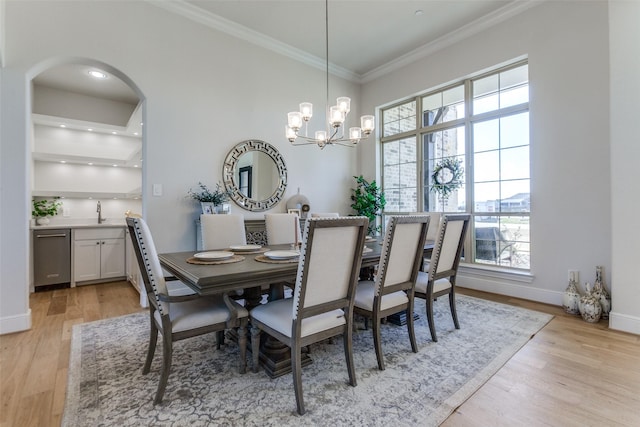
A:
x: 571, y: 373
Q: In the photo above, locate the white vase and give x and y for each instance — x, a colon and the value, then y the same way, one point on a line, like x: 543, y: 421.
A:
x: 42, y: 220
x: 571, y: 299
x: 603, y: 296
x: 208, y: 208
x: 590, y: 308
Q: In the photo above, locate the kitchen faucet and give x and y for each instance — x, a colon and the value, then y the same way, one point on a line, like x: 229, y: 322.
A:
x: 99, y: 210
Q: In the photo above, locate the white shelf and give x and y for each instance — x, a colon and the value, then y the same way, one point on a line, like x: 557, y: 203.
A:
x: 86, y: 195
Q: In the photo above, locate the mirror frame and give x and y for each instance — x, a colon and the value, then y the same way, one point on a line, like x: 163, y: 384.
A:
x: 229, y: 170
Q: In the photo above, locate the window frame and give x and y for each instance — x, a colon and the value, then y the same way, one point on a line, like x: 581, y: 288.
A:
x: 467, y: 122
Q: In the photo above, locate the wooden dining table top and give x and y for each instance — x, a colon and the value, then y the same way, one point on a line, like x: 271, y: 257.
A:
x: 248, y: 273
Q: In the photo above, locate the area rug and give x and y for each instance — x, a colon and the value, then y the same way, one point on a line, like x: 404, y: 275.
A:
x: 106, y: 386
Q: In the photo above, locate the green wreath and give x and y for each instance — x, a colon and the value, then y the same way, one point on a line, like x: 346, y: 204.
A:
x: 447, y: 177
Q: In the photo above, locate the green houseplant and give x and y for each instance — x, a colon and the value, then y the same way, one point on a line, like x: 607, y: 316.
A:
x: 208, y: 197
x: 45, y: 208
x: 368, y: 200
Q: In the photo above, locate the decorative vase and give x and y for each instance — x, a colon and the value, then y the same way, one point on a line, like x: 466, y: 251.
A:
x: 42, y: 220
x: 208, y: 208
x: 571, y: 298
x: 590, y: 308
x: 603, y: 296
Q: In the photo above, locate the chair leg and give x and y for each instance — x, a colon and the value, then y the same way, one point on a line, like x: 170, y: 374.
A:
x: 452, y: 305
x: 167, y: 353
x: 153, y: 339
x: 296, y: 370
x: 411, y: 329
x: 348, y: 354
x: 432, y: 326
x: 377, y: 342
x: 255, y: 347
x: 242, y: 343
x: 219, y: 339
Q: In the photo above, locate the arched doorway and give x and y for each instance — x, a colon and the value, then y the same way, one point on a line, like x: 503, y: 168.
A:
x: 87, y: 138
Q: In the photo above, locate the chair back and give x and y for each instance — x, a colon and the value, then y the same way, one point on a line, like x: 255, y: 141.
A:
x: 434, y: 225
x: 402, y: 253
x: 448, y: 246
x: 329, y: 265
x: 282, y: 228
x: 222, y: 231
x: 148, y: 262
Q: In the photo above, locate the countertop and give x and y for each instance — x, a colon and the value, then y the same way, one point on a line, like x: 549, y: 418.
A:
x: 80, y: 224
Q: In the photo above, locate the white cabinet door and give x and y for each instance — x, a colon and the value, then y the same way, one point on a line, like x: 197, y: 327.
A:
x: 99, y: 253
x: 86, y: 262
x: 112, y: 258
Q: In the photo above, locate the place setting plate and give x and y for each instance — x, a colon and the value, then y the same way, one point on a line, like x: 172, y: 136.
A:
x: 245, y: 248
x: 279, y: 256
x: 282, y: 254
x: 214, y: 257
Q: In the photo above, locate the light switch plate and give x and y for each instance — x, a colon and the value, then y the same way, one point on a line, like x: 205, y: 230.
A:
x: 157, y: 189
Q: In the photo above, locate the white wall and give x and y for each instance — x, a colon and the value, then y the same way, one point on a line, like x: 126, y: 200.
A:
x: 567, y: 47
x: 625, y: 174
x: 205, y: 92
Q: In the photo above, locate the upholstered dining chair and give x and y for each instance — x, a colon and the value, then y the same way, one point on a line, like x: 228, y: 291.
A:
x: 222, y: 231
x: 322, y: 302
x: 392, y: 289
x: 178, y: 317
x: 443, y: 269
x: 282, y: 228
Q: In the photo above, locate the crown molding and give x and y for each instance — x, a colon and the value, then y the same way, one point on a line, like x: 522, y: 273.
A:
x: 234, y: 29
x: 468, y: 30
x: 211, y: 20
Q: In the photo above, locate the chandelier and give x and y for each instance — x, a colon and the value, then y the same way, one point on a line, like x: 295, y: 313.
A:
x: 334, y: 134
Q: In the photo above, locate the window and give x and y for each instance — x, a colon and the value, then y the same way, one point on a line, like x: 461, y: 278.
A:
x: 481, y: 123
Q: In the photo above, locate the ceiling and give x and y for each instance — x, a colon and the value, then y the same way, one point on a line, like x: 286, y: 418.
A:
x: 363, y: 35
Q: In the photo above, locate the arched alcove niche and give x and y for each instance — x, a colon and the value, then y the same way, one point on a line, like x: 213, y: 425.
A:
x: 87, y: 138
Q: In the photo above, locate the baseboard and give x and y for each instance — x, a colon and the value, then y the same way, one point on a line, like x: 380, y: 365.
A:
x: 20, y: 322
x: 502, y: 287
x: 624, y: 323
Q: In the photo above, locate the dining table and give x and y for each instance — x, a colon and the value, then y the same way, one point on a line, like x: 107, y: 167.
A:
x: 248, y: 277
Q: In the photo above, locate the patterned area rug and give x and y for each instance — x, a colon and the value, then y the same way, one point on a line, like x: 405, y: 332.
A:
x: 106, y: 387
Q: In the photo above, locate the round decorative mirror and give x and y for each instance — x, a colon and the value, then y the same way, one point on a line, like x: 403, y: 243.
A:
x: 255, y: 175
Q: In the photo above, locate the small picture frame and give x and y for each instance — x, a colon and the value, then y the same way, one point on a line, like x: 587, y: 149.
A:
x: 226, y: 208
x: 294, y: 211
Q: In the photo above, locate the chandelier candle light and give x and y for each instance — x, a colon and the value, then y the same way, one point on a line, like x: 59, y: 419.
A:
x: 337, y: 115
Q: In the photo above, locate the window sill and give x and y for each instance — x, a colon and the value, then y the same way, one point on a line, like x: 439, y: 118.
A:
x: 495, y: 273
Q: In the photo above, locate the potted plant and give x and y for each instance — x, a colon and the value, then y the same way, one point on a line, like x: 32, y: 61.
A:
x: 210, y: 200
x: 368, y: 200
x: 42, y: 209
